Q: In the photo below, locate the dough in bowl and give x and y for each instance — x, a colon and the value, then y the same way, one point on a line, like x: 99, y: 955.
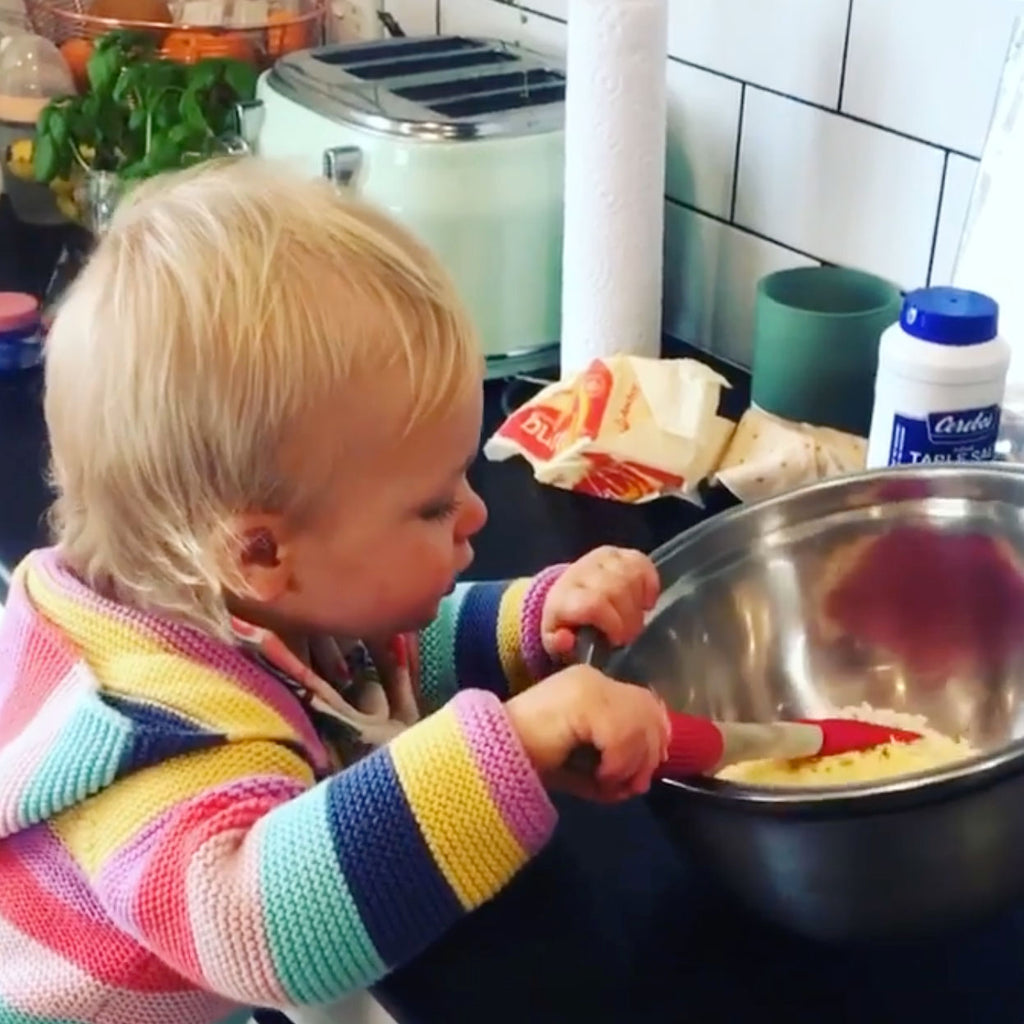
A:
x: 933, y: 750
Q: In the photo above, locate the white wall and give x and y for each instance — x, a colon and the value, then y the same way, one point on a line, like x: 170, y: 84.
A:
x: 801, y: 131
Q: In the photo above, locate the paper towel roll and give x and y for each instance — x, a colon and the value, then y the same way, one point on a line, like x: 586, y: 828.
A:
x: 614, y: 180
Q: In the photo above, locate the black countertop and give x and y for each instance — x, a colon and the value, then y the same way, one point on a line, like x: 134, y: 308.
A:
x: 611, y: 923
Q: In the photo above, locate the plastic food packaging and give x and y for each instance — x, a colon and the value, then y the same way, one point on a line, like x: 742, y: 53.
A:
x: 627, y: 429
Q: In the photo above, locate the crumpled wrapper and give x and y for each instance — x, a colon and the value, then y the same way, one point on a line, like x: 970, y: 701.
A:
x: 768, y: 455
x: 627, y: 429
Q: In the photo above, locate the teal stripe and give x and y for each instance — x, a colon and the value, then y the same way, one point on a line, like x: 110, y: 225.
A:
x: 10, y: 1015
x: 318, y: 942
x: 65, y: 778
x: 241, y: 1017
x: 438, y: 681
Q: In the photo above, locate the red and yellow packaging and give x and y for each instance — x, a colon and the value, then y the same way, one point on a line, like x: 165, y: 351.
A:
x: 626, y: 429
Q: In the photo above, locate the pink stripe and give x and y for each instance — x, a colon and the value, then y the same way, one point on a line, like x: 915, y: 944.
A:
x: 513, y: 784
x: 54, y: 869
x: 121, y: 876
x: 31, y: 667
x: 244, y: 963
x: 36, y: 980
x: 206, y: 650
x: 21, y: 757
x: 538, y: 663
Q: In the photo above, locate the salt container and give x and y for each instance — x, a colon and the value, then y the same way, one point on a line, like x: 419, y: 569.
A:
x: 940, y: 382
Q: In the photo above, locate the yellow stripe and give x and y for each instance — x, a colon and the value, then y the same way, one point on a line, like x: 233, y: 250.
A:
x: 509, y: 644
x: 94, y: 830
x: 131, y: 662
x: 461, y: 826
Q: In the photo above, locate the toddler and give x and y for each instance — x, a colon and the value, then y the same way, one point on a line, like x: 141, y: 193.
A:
x: 257, y: 748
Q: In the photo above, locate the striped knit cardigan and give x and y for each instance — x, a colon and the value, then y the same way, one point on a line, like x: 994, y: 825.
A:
x: 174, y: 844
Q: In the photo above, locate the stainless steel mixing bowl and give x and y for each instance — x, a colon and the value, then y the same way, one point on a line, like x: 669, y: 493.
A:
x: 903, y: 589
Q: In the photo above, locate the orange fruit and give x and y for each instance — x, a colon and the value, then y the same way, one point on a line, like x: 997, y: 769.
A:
x: 188, y: 47
x: 283, y: 35
x: 132, y: 10
x: 76, y: 54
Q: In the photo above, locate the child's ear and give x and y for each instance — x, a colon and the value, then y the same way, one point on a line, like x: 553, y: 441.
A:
x: 262, y: 555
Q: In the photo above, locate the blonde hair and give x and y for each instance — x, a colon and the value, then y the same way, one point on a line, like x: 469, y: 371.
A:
x: 223, y: 307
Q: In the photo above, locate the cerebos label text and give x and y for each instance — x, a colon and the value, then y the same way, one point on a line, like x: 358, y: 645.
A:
x: 966, y: 435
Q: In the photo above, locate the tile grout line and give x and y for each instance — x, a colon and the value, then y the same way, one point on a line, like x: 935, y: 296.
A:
x: 938, y: 220
x: 824, y: 109
x: 719, y: 219
x: 736, y: 158
x: 835, y: 111
x: 846, y: 55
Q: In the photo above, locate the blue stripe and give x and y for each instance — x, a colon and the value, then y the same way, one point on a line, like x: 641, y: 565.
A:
x: 402, y: 895
x: 319, y: 944
x: 476, y: 640
x: 158, y: 734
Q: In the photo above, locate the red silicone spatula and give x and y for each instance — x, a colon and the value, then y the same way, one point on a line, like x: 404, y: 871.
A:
x: 700, y: 746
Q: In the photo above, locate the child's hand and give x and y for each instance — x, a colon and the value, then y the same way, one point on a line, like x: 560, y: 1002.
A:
x: 627, y: 724
x: 610, y: 589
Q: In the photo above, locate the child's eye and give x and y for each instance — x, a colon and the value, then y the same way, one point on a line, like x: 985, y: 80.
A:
x: 440, y: 512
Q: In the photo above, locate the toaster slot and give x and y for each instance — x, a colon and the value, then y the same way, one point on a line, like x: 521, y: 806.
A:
x: 347, y: 55
x: 518, y: 81
x: 490, y: 103
x: 377, y: 70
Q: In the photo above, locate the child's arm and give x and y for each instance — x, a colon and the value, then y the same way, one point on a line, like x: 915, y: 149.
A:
x: 244, y: 876
x: 486, y: 635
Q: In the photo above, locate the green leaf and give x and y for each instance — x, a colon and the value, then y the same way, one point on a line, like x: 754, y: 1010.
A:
x: 127, y: 81
x: 137, y: 119
x: 204, y: 73
x: 192, y: 111
x: 57, y: 129
x: 180, y: 134
x: 164, y: 155
x: 241, y: 76
x: 44, y: 159
x: 103, y: 68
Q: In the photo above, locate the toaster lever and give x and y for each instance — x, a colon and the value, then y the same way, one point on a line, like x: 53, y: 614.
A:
x: 341, y: 164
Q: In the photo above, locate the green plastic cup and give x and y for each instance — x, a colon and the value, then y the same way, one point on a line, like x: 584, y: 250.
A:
x: 816, y: 333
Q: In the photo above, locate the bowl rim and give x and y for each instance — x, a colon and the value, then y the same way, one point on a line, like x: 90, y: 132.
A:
x: 917, y: 787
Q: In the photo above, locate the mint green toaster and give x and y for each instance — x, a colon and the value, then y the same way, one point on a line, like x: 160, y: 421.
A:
x: 460, y: 139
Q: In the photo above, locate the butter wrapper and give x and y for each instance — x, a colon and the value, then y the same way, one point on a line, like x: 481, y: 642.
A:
x: 626, y: 429
x: 768, y: 455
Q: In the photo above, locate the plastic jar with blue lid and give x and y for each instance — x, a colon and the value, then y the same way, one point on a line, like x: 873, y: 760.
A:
x: 21, y: 345
x: 940, y: 382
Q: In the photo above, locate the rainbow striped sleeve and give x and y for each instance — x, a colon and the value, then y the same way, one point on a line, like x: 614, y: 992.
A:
x: 486, y: 635
x: 249, y: 880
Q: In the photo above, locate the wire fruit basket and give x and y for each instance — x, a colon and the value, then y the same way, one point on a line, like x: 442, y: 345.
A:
x: 257, y: 31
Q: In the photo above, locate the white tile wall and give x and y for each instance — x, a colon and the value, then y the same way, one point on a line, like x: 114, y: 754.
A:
x: 928, y: 67
x: 845, y: 191
x: 703, y: 119
x: 956, y: 196
x: 709, y: 269
x: 795, y: 46
x: 417, y: 17
x: 502, y: 21
x: 855, y: 120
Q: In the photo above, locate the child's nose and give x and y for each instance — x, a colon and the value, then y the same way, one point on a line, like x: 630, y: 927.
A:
x: 473, y: 517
